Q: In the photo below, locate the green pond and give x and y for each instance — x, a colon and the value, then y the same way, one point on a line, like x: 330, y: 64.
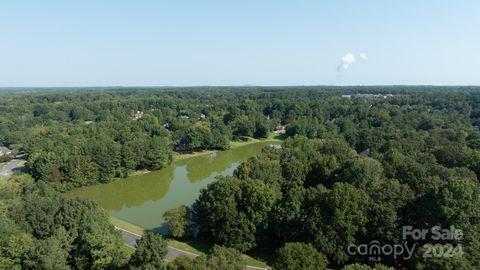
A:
x: 143, y: 199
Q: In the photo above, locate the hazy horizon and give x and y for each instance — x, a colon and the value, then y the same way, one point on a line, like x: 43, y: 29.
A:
x: 246, y: 85
x: 216, y: 43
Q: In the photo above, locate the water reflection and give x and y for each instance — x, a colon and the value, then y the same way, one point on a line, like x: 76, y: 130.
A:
x: 201, y: 167
x: 144, y: 198
x: 128, y: 192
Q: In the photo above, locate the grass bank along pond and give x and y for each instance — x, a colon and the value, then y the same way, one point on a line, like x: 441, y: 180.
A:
x: 142, y: 199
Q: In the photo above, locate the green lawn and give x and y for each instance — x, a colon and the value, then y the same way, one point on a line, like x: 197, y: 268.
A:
x: 248, y: 260
x: 200, y: 248
x: 178, y: 157
x: 272, y: 137
x: 119, y: 223
x: 190, y: 246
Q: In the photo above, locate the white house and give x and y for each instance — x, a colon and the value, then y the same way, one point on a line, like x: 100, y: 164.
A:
x: 281, y: 129
x: 4, y: 151
x: 137, y: 115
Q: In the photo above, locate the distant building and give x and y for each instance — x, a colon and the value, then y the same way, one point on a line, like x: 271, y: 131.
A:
x: 331, y: 121
x: 4, y: 151
x: 384, y: 96
x: 433, y: 110
x: 281, y: 129
x: 137, y: 115
x: 367, y: 152
x: 180, y: 146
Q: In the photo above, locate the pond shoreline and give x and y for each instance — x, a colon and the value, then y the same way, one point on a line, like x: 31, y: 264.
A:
x: 138, y: 202
x: 177, y: 184
x: 178, y: 156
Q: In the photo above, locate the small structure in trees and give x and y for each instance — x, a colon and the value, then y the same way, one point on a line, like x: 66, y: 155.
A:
x: 281, y: 129
x: 4, y: 151
x: 137, y: 115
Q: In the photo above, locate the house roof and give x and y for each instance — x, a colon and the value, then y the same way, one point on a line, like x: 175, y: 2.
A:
x: 4, y: 149
x: 366, y: 152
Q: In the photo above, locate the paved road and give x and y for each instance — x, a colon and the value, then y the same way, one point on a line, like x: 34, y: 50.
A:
x: 10, y: 167
x: 131, y: 239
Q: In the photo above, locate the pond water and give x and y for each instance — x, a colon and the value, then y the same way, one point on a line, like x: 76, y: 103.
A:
x: 143, y: 199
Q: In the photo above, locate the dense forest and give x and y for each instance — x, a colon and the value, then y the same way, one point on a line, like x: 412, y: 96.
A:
x: 40, y: 229
x: 358, y: 165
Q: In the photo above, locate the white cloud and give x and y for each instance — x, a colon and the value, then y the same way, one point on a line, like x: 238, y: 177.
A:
x: 347, y: 60
x: 363, y: 56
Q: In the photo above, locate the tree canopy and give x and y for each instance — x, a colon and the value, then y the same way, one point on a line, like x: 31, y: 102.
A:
x: 357, y: 164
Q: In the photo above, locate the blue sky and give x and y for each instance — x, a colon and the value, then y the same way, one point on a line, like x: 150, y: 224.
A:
x: 139, y: 43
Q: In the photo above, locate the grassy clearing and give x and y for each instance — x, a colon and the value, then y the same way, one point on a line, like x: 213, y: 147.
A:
x: 248, y: 260
x: 178, y: 157
x: 190, y: 246
x: 193, y: 246
x: 139, y: 172
x: 272, y: 137
x: 200, y: 248
x: 122, y: 224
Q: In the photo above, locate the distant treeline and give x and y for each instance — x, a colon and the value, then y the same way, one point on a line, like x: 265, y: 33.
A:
x: 84, y: 137
x: 354, y: 170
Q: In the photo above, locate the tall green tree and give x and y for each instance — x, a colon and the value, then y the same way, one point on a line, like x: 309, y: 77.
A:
x: 177, y: 220
x: 231, y: 212
x: 299, y: 256
x: 150, y: 252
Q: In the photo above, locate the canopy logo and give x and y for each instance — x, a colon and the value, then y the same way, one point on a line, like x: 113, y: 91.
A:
x: 375, y: 251
x: 436, y: 242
